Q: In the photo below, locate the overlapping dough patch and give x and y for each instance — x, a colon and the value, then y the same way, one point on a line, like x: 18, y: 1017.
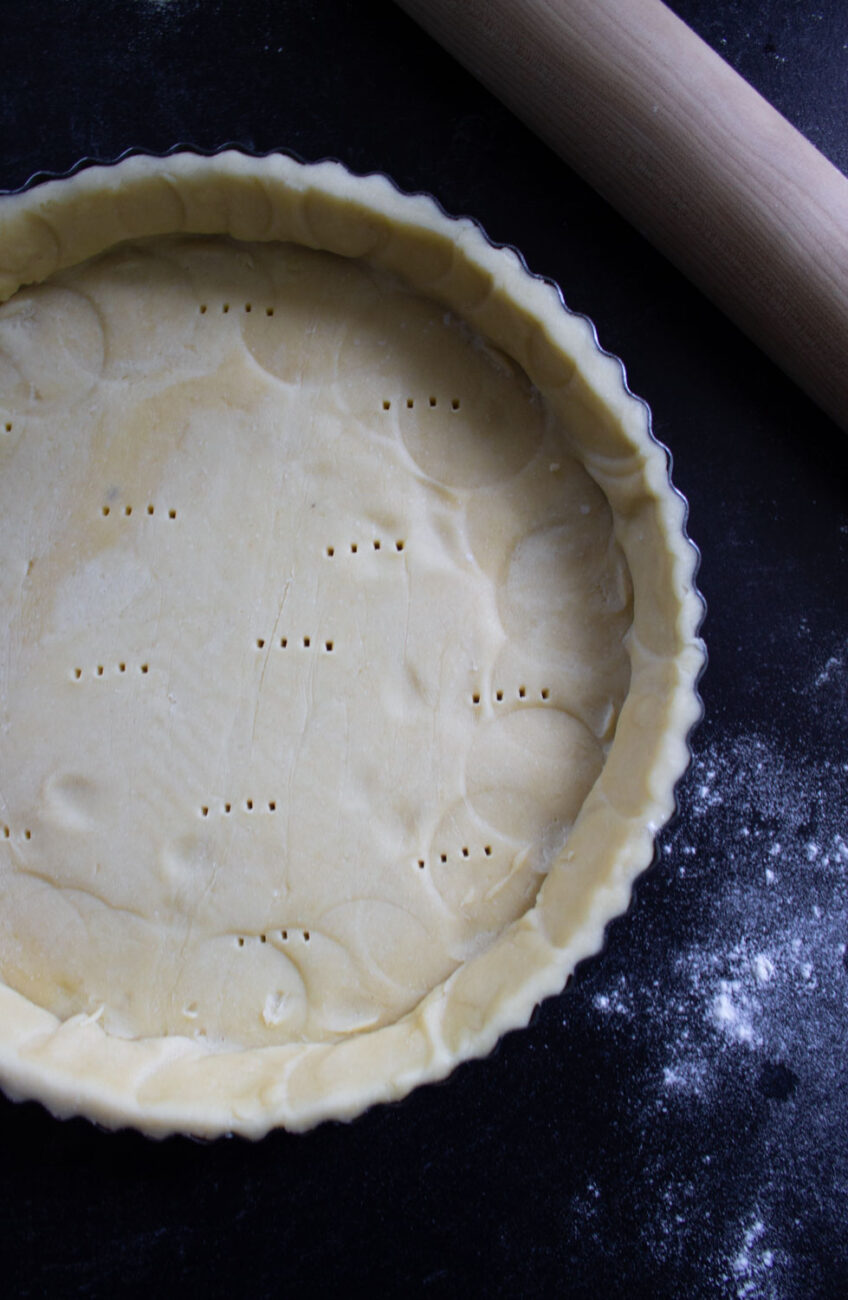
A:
x: 312, y: 642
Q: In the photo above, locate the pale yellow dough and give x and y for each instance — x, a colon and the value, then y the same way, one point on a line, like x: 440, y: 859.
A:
x: 348, y: 646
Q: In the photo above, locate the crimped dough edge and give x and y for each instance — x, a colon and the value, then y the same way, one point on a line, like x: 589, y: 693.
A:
x: 174, y: 1084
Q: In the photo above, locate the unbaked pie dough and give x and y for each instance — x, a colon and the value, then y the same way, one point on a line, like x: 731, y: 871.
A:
x: 348, y: 646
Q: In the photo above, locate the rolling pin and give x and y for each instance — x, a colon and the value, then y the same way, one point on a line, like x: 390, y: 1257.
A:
x: 687, y: 151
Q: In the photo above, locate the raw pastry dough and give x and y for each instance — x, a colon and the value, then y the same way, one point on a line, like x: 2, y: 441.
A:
x: 348, y: 646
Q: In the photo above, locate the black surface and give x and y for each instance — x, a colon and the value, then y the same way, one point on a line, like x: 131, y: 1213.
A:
x: 676, y: 1123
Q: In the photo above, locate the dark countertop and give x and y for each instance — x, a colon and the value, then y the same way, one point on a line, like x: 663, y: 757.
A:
x: 676, y: 1123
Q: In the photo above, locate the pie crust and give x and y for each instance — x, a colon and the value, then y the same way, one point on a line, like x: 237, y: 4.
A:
x: 349, y: 645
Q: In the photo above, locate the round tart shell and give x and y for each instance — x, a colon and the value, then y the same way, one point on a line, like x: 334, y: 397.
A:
x: 179, y: 1083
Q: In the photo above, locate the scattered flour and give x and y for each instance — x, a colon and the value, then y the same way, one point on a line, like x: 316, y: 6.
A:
x: 743, y: 1024
x: 753, y: 1264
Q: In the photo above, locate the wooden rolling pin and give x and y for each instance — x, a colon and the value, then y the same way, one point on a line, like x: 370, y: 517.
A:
x: 689, y: 152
